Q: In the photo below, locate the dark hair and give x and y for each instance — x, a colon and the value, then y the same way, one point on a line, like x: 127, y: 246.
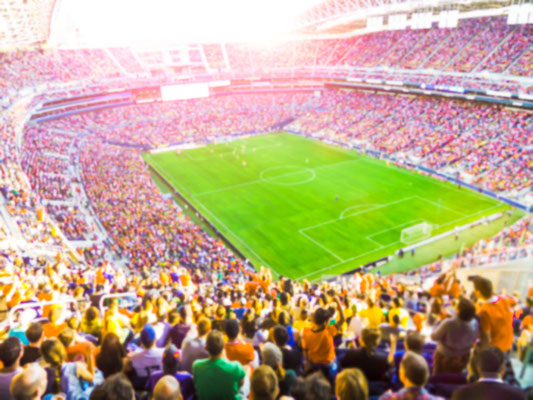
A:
x: 490, y: 360
x: 66, y: 337
x: 414, y: 342
x: 34, y: 333
x: 396, y: 319
x: 10, y: 351
x: 232, y: 328
x: 313, y: 387
x: 109, y: 360
x: 214, y: 343
x: 483, y: 286
x: 170, y: 364
x: 281, y: 335
x: 415, y: 368
x: 321, y: 316
x: 371, y: 338
x: 466, y: 310
x: 116, y: 387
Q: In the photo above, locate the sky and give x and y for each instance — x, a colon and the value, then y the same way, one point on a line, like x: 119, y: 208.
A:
x: 152, y: 22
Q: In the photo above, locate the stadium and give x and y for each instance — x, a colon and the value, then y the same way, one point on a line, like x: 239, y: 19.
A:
x: 266, y: 200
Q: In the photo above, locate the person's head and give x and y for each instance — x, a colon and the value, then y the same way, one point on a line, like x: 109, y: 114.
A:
x: 281, y: 335
x: 263, y: 384
x: 351, y: 384
x: 167, y: 388
x: 490, y: 362
x: 11, y: 352
x: 321, y: 316
x: 214, y: 344
x: 414, y: 371
x: 482, y: 288
x: 91, y: 314
x: 203, y: 327
x: 370, y: 338
x: 54, y: 354
x: 109, y: 360
x: 66, y: 337
x: 232, y: 329
x: 171, y: 360
x: 30, y: 384
x: 312, y: 387
x: 116, y: 387
x: 34, y: 333
x: 466, y: 310
x: 395, y: 320
x: 271, y: 355
x: 414, y: 342
x: 147, y: 338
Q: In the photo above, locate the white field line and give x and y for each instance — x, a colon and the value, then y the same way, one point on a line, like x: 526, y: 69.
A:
x: 433, y: 180
x: 396, y: 226
x: 345, y: 261
x: 279, y: 176
x: 320, y: 245
x: 205, y: 209
x: 391, y: 244
x: 440, y: 205
x: 365, y: 206
x: 470, y: 215
x: 357, y: 213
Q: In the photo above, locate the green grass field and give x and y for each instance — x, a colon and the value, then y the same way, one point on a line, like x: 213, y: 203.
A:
x: 309, y: 210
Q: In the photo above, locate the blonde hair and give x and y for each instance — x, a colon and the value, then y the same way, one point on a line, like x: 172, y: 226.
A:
x: 351, y: 384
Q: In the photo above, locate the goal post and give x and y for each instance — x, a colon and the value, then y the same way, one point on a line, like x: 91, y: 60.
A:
x: 416, y: 233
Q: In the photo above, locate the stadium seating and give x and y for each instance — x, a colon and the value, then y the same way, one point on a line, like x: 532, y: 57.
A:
x: 85, y: 230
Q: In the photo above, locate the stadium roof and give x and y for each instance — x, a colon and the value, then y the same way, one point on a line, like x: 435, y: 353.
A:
x: 144, y: 23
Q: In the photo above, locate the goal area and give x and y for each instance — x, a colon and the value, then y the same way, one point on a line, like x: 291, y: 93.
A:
x: 416, y: 233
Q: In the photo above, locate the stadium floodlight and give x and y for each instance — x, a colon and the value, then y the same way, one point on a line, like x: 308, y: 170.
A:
x: 416, y: 233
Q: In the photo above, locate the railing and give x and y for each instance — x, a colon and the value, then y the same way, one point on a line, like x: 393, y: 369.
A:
x: 74, y: 310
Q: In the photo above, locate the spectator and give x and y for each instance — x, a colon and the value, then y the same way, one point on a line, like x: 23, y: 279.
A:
x: 317, y: 342
x: 149, y: 359
x: 375, y: 366
x: 292, y: 357
x: 29, y: 384
x: 168, y: 388
x: 271, y: 355
x: 32, y: 351
x: 194, y: 348
x: 171, y: 363
x: 312, y: 387
x: 495, y: 316
x: 263, y: 384
x: 236, y: 350
x: 110, y: 359
x: 217, y: 377
x: 116, y: 387
x: 490, y: 363
x: 414, y: 374
x: 10, y: 355
x: 351, y: 384
x: 53, y: 327
x: 455, y: 337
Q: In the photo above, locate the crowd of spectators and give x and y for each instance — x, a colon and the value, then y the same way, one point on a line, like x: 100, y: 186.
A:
x: 209, y: 332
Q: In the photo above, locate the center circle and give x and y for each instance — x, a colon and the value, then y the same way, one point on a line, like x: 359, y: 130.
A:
x: 287, y: 175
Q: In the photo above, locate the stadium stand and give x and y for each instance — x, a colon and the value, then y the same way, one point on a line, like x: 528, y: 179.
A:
x: 109, y: 286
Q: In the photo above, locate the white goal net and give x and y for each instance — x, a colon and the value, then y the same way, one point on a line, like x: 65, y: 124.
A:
x: 416, y: 233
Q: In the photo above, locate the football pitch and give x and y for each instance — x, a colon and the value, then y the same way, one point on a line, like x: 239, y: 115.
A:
x: 307, y: 209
